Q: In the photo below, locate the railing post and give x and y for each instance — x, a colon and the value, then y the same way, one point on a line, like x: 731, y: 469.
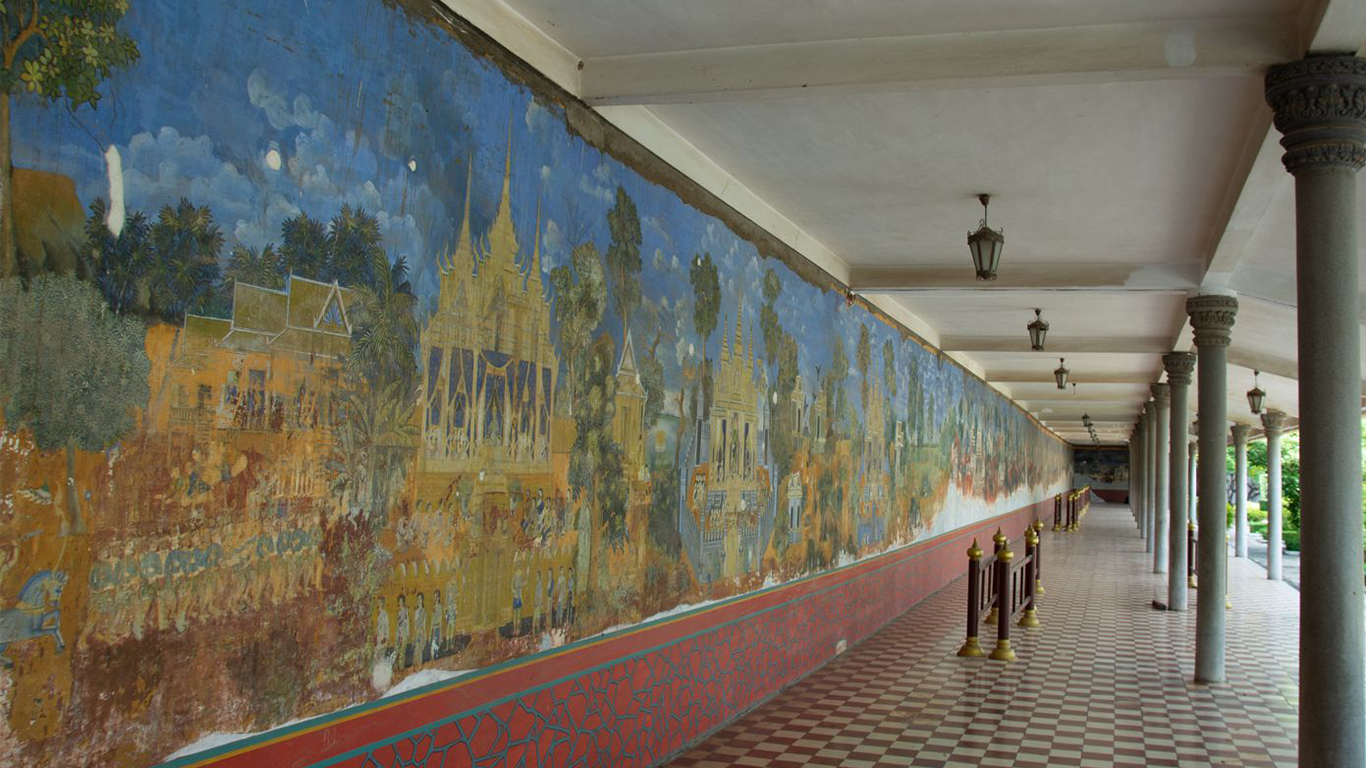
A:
x: 1190, y: 554
x: 999, y: 541
x: 1038, y: 563
x: 1030, y: 619
x: 1002, y: 652
x: 1057, y: 512
x: 971, y: 647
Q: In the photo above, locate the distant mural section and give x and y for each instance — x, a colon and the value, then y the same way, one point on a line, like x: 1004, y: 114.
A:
x: 334, y: 359
x: 1102, y: 468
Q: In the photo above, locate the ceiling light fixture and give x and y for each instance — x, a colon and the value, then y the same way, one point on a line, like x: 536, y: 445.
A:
x: 1255, y: 396
x: 1060, y: 374
x: 1038, y: 331
x: 986, y: 244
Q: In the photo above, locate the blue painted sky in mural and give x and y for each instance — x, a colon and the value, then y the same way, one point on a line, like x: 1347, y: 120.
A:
x: 390, y: 120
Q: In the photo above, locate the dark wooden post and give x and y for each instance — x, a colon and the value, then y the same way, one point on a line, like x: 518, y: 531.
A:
x: 1057, y: 512
x: 1030, y: 588
x: 1038, y: 561
x: 971, y: 647
x: 1002, y: 651
x: 994, y: 592
x: 1190, y: 554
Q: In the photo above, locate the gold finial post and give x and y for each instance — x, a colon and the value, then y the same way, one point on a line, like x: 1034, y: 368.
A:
x: 1003, y: 652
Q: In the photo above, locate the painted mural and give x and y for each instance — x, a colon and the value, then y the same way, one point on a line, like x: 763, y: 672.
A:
x: 334, y: 357
x: 1104, y: 468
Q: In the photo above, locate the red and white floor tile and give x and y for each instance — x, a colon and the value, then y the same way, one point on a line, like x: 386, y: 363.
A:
x: 1105, y: 681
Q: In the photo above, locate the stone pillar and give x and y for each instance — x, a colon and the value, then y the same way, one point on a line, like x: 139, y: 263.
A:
x: 1161, y: 464
x: 1133, y: 469
x: 1180, y: 366
x: 1212, y: 319
x: 1140, y: 450
x: 1192, y: 478
x: 1149, y: 474
x: 1240, y: 532
x: 1274, y: 423
x: 1320, y: 108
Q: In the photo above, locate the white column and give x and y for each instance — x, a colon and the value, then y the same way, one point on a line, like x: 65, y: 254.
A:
x: 1320, y: 107
x: 1179, y: 366
x: 1212, y: 320
x: 1150, y: 475
x: 1240, y: 531
x: 1161, y: 459
x: 1140, y: 477
x: 1192, y: 477
x: 1274, y: 423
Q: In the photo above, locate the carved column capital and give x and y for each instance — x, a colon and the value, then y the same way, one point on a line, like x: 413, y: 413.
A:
x: 1180, y: 366
x: 1274, y: 422
x: 1241, y: 433
x: 1320, y: 110
x: 1212, y: 319
x: 1162, y: 395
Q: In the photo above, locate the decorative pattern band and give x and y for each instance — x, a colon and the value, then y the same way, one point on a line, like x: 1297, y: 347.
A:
x: 1320, y: 108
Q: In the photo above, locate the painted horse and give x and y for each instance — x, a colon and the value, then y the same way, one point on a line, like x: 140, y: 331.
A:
x: 37, y: 614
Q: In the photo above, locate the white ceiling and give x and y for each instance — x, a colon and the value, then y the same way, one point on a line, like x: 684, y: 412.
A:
x: 1126, y: 146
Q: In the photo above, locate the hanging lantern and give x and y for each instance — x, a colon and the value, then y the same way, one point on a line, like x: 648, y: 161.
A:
x: 1038, y: 331
x: 1086, y: 419
x: 1255, y: 396
x: 1060, y: 374
x: 986, y: 244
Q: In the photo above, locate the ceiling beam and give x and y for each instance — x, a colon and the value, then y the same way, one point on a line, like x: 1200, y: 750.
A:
x: 1058, y: 345
x: 1127, y: 278
x: 1101, y: 53
x: 1008, y: 377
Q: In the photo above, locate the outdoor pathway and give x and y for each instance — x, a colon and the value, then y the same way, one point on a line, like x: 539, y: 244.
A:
x: 1106, y: 680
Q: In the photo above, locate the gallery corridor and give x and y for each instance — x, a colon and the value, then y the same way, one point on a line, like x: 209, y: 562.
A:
x: 1106, y: 679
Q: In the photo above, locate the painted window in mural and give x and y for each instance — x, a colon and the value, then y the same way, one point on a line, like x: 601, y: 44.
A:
x: 330, y: 353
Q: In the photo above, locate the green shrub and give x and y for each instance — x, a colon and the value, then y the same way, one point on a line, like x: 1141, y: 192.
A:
x: 1256, y: 515
x: 1291, y: 539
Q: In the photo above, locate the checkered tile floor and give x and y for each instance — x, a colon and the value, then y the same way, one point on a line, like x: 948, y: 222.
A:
x: 1105, y: 681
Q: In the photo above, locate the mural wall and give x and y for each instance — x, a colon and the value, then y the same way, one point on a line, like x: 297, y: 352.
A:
x: 1102, y: 468
x: 336, y: 357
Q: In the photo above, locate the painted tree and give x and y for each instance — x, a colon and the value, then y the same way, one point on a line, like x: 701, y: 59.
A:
x: 780, y: 353
x: 254, y: 266
x: 304, y: 247
x: 72, y: 372
x: 384, y: 330
x: 834, y: 388
x: 54, y: 50
x: 623, y: 256
x: 122, y: 260
x: 355, y: 253
x: 596, y: 459
x: 183, y: 270
x: 863, y: 358
x: 889, y: 368
x: 384, y: 335
x: 596, y: 477
x: 706, y: 310
x: 580, y: 292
